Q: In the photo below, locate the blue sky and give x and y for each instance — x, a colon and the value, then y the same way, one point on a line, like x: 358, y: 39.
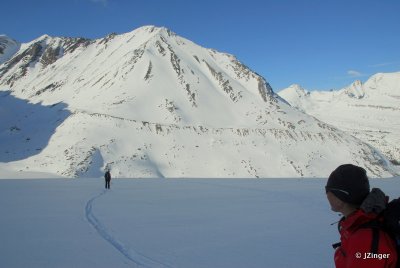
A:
x: 319, y: 44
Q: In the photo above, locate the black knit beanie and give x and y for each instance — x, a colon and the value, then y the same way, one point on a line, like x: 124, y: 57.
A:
x: 349, y: 183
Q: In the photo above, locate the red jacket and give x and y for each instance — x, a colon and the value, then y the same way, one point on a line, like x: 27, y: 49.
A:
x: 356, y: 243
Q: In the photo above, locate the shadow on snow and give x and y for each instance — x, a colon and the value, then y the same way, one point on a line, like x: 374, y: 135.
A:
x: 26, y: 128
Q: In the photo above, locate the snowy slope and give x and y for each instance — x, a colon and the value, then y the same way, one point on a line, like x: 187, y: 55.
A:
x: 149, y: 103
x: 370, y: 111
x: 149, y: 74
x: 190, y: 223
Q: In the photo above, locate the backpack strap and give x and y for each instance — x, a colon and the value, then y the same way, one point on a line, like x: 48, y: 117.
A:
x: 338, y: 244
x: 375, y: 237
x: 375, y: 227
x: 375, y: 240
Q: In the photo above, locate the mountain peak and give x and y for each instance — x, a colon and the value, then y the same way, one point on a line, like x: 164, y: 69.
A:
x: 297, y: 87
x: 8, y: 47
x: 153, y: 30
x: 6, y: 37
x: 44, y: 37
x: 6, y: 41
x: 355, y: 90
x: 294, y: 91
x: 169, y: 73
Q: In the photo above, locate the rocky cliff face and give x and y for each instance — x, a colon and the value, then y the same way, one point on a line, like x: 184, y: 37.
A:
x: 152, y: 104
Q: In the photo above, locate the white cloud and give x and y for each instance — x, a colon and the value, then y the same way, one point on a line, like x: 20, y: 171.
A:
x: 353, y: 73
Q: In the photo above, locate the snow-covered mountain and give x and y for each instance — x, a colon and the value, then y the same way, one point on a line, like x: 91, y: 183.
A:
x: 150, y: 103
x: 8, y: 47
x: 369, y: 111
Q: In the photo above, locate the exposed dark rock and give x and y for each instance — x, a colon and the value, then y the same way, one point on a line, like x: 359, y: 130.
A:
x: 51, y: 87
x: 71, y: 44
x: 27, y: 57
x: 160, y: 48
x: 265, y: 90
x: 148, y: 74
x: 224, y: 83
x: 50, y: 56
x: 108, y: 38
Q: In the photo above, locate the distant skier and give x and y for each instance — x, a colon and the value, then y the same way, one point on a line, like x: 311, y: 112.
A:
x: 107, y: 177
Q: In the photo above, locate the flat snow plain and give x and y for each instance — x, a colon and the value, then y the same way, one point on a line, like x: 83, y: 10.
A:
x: 169, y: 222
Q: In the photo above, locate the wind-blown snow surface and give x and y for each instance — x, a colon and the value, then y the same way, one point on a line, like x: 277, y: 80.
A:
x: 149, y: 103
x: 369, y: 111
x: 169, y: 223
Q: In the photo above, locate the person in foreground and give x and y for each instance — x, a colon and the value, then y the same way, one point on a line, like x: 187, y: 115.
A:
x: 362, y: 243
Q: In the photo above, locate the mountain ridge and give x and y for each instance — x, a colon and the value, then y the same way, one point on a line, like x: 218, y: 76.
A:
x: 149, y: 103
x: 369, y: 111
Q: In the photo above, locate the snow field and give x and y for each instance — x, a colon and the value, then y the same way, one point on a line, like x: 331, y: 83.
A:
x: 169, y: 223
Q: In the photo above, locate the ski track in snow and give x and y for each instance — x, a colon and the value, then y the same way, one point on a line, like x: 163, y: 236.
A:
x: 135, y: 257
